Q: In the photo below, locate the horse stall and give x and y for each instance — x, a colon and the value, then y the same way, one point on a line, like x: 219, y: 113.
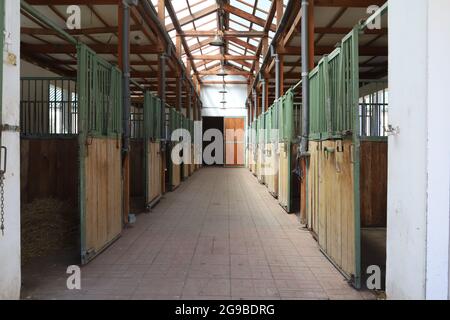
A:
x: 272, y: 154
x: 71, y: 182
x: 373, y: 112
x: 290, y: 115
x: 191, y: 124
x: 252, y: 148
x: 260, y: 148
x: 137, y: 157
x: 347, y: 168
x: 145, y: 155
x: 174, y: 169
x: 187, y: 168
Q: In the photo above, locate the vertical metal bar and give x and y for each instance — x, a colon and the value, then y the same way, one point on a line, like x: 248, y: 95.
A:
x: 162, y: 93
x: 305, y: 76
x: 354, y: 63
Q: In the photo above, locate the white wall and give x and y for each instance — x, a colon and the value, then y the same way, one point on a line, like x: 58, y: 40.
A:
x: 419, y: 156
x: 236, y: 98
x: 10, y: 278
x: 31, y: 70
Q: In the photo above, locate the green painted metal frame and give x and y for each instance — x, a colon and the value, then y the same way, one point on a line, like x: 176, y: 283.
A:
x: 91, y: 83
x: 176, y: 121
x: 286, y: 109
x: 331, y: 112
x: 351, y: 43
x: 334, y: 114
x: 100, y: 94
x: 148, y: 132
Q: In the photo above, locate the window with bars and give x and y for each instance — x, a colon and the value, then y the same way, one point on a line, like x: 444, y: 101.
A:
x: 374, y: 110
x: 48, y: 106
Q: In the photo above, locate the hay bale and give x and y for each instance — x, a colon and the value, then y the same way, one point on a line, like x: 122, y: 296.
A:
x: 48, y: 226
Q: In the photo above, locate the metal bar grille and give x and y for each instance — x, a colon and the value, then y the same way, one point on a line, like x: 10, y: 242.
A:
x: 48, y: 107
x: 332, y: 89
x: 374, y: 109
x: 100, y: 94
x: 137, y: 129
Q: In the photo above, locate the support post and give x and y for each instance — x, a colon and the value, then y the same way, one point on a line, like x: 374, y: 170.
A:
x: 124, y: 64
x: 307, y: 34
x: 264, y: 96
x: 162, y: 92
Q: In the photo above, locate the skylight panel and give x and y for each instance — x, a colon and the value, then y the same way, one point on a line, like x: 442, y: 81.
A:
x: 209, y: 26
x: 183, y: 14
x: 208, y: 49
x: 191, y: 41
x: 206, y: 19
x: 257, y: 27
x: 261, y: 15
x: 237, y: 27
x: 210, y: 64
x: 179, y: 5
x: 240, y: 20
x: 253, y: 42
x: 236, y: 49
x: 202, y: 5
x: 189, y: 26
x: 264, y: 5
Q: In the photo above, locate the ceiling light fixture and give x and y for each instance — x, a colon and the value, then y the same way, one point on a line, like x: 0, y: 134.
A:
x: 217, y: 41
x: 222, y: 72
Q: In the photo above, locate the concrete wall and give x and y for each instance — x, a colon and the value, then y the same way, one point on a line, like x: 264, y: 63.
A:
x: 10, y: 278
x: 236, y: 98
x: 419, y: 155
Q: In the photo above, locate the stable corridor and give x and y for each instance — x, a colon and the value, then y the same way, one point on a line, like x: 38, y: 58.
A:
x: 219, y: 236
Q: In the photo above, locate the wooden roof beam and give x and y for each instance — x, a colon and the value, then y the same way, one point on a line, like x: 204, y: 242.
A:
x: 247, y: 16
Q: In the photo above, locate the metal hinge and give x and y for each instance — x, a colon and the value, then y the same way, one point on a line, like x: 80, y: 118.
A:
x: 392, y: 131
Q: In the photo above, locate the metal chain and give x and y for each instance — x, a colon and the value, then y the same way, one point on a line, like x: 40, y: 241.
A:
x: 2, y: 204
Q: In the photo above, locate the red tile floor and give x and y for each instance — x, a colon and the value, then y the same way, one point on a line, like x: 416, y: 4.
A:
x: 221, y: 235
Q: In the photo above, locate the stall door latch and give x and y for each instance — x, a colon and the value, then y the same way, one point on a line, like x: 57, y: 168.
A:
x: 392, y: 131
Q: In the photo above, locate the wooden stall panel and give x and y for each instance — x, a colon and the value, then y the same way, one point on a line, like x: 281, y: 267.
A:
x: 186, y: 171
x: 313, y: 188
x: 251, y: 159
x: 103, y: 195
x: 234, y: 142
x: 154, y: 170
x: 192, y: 165
x: 270, y: 169
x: 260, y: 164
x: 374, y: 170
x: 49, y: 169
x: 176, y: 176
x: 137, y: 168
x: 283, y: 189
x: 335, y: 204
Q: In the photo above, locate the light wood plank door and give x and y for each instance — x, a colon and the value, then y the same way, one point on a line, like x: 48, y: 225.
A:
x: 234, y: 142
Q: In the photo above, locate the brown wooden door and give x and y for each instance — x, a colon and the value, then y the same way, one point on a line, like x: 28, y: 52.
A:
x: 234, y: 142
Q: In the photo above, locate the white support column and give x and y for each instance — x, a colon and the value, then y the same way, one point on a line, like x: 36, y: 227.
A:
x: 419, y: 154
x: 10, y: 277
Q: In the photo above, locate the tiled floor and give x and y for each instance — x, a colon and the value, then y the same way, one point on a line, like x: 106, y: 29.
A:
x: 219, y: 236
